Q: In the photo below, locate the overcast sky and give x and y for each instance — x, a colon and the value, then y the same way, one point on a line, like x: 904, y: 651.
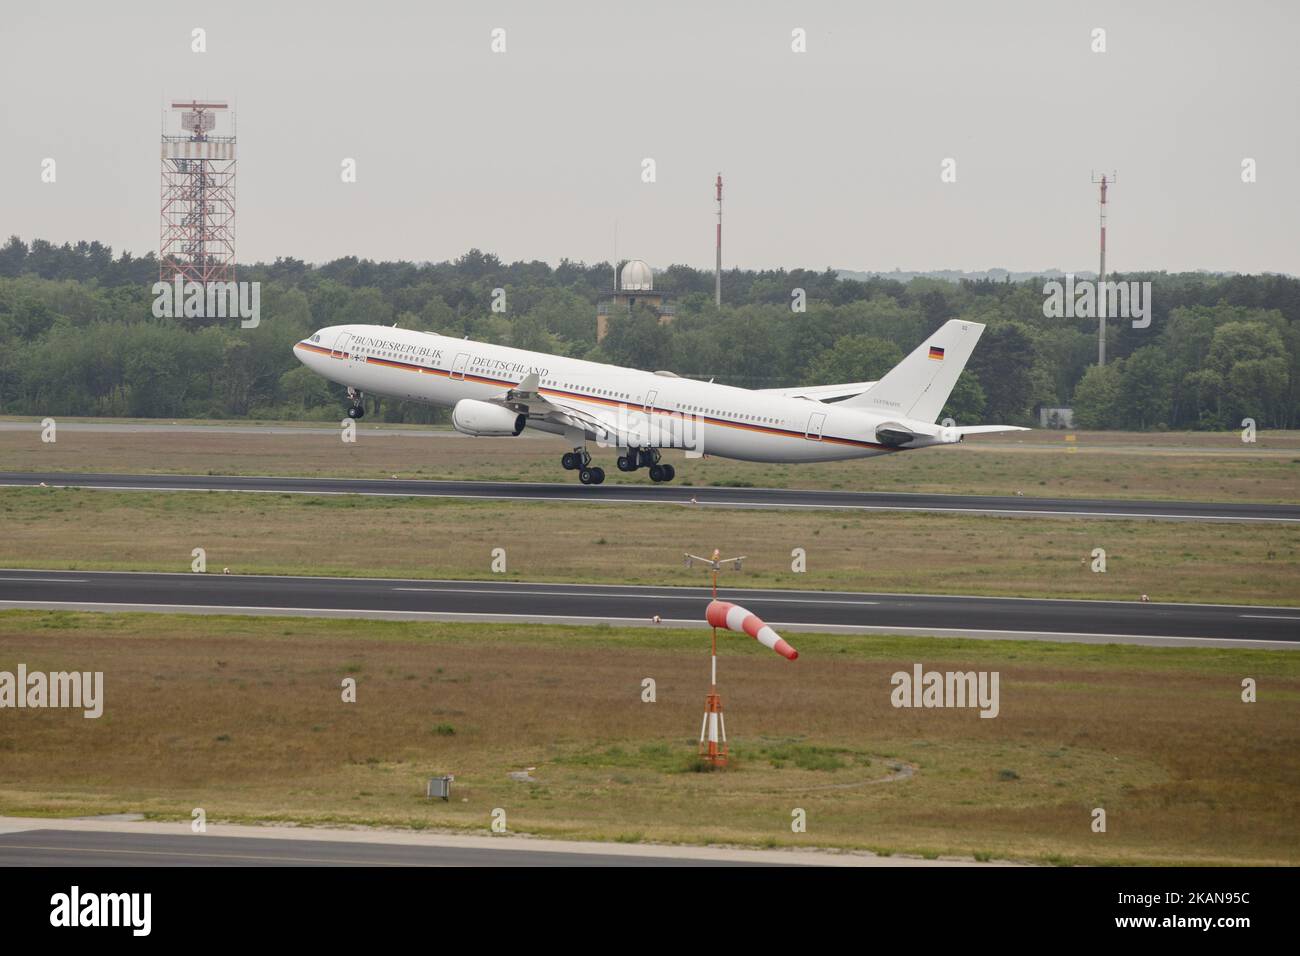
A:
x: 830, y: 157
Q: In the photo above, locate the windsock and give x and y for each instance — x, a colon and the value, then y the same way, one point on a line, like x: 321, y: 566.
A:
x: 735, y: 618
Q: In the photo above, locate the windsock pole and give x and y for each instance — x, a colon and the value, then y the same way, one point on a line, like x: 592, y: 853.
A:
x: 713, y: 732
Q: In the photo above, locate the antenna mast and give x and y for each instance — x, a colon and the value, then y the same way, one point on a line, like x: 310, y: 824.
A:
x: 717, y: 274
x: 1101, y: 270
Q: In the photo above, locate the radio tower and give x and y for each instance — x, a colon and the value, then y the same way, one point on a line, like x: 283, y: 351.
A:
x: 197, y: 239
x: 1101, y: 272
x: 717, y: 274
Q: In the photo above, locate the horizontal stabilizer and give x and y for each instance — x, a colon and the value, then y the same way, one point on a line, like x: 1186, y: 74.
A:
x: 899, y: 435
x: 987, y: 429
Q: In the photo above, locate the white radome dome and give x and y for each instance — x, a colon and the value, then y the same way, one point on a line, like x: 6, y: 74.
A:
x: 635, y: 276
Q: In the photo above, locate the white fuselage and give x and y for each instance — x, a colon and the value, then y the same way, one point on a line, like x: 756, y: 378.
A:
x: 717, y: 420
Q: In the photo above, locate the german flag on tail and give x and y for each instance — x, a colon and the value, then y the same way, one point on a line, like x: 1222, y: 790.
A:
x: 936, y: 352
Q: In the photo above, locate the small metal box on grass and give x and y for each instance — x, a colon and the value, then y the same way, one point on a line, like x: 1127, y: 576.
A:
x: 440, y: 787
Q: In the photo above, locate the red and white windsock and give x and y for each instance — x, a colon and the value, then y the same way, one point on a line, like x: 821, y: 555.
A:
x: 735, y: 618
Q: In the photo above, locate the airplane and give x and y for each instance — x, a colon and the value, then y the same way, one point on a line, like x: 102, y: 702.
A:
x: 497, y: 391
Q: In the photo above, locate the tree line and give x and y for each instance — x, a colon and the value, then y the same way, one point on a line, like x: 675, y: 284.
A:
x: 78, y: 336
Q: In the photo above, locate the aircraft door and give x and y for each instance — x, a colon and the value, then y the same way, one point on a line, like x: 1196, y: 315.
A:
x: 650, y: 398
x: 815, y: 422
x: 458, y: 367
x: 340, y: 347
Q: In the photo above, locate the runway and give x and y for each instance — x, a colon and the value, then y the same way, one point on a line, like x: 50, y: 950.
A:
x: 96, y: 841
x: 61, y: 848
x: 685, y: 496
x: 514, y: 601
x: 70, y: 848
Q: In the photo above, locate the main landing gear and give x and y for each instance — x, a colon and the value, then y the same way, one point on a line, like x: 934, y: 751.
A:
x: 646, y: 458
x: 636, y: 458
x: 356, y: 409
x: 578, y: 460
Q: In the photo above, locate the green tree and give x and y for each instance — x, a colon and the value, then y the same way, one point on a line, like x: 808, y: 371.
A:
x: 1253, y: 363
x: 1004, y: 362
x: 1144, y: 399
x: 1097, y: 397
x: 304, y: 389
x: 853, y: 358
x: 965, y: 405
x: 638, y: 340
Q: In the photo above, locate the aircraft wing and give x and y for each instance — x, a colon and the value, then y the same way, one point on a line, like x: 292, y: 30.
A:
x: 621, y: 426
x: 525, y: 397
x: 626, y: 427
x: 821, y: 393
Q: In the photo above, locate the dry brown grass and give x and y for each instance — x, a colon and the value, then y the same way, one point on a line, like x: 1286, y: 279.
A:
x: 243, y: 717
x: 448, y: 538
x: 1187, y: 465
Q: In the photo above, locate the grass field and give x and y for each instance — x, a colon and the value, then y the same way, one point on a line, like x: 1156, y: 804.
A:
x: 1189, y: 465
x: 453, y: 538
x: 244, y: 718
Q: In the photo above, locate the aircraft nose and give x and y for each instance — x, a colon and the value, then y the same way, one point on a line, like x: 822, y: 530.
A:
x: 308, y: 348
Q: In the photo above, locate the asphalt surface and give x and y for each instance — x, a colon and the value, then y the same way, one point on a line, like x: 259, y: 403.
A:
x: 642, y: 493
x: 128, y: 840
x: 88, y: 848
x: 1228, y: 625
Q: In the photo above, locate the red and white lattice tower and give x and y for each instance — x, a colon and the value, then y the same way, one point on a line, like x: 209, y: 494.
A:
x: 717, y: 271
x: 1104, y: 182
x: 197, y: 241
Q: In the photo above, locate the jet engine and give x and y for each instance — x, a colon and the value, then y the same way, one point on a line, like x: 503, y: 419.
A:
x: 483, y: 419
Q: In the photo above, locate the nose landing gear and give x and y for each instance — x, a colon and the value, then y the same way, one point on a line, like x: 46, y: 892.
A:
x: 356, y: 409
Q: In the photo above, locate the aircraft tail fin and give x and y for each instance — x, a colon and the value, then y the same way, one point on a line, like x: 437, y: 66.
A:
x: 918, y: 386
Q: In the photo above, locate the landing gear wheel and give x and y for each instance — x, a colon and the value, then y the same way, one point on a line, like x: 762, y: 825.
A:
x: 591, y: 476
x: 626, y: 463
x: 575, y: 460
x: 657, y: 473
x: 669, y: 472
x: 356, y: 411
